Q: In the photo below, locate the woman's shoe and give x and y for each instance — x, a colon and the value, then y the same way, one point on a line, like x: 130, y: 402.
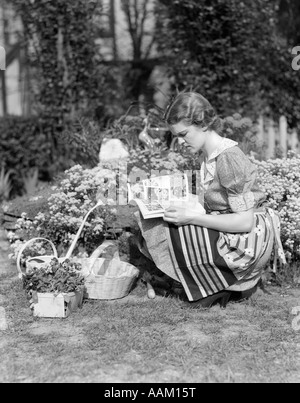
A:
x: 238, y: 296
x: 222, y: 297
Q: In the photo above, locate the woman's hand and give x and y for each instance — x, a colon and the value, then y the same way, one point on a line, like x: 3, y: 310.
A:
x: 178, y: 215
x: 233, y: 222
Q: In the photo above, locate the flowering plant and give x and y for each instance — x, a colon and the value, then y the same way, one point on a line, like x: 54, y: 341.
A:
x: 55, y: 277
x: 280, y: 180
x: 70, y: 201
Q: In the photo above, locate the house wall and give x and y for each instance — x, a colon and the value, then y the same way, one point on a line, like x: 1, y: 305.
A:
x: 13, y: 91
x: 9, y: 26
x: 16, y: 98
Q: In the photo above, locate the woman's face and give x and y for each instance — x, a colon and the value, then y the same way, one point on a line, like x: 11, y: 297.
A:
x: 193, y: 137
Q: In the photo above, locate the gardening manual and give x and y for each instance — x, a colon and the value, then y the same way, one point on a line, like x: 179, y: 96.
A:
x: 153, y: 196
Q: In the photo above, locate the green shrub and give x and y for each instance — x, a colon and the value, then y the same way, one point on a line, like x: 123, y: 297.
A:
x: 244, y: 131
x: 127, y: 128
x: 79, y: 143
x: 24, y: 145
x: 228, y: 50
x: 38, y: 142
x: 70, y: 201
x: 280, y: 179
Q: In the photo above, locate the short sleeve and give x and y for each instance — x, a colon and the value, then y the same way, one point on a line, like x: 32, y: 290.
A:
x: 237, y: 175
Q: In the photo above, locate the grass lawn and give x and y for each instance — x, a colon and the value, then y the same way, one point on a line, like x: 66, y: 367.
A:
x: 136, y: 339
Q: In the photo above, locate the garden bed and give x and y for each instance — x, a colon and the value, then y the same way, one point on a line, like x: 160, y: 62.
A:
x: 125, y: 220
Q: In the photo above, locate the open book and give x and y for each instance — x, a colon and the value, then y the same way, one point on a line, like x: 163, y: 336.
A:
x: 153, y: 196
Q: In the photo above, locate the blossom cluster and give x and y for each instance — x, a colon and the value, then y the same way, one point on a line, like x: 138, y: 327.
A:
x: 280, y: 180
x: 167, y: 161
x: 72, y: 199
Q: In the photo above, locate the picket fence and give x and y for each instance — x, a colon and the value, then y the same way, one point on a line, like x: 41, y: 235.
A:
x: 274, y: 136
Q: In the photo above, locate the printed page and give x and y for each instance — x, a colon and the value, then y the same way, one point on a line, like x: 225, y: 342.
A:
x: 147, y: 203
x: 136, y: 191
x: 167, y: 188
x: 150, y: 210
x: 156, y: 194
x: 179, y: 189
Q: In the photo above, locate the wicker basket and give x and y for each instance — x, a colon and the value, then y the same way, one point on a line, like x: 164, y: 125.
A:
x: 107, y: 278
x: 104, y: 278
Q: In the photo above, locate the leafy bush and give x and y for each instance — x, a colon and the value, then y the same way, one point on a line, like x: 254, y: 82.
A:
x: 127, y: 128
x: 70, y: 201
x: 28, y: 144
x: 24, y: 145
x: 228, y: 50
x: 280, y: 179
x: 60, y: 37
x: 242, y: 130
x: 79, y: 143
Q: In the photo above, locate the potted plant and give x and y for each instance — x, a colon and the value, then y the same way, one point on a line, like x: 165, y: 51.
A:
x: 54, y: 288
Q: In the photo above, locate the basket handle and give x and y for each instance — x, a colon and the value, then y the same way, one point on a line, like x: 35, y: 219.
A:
x: 97, y: 252
x: 73, y: 244
x: 101, y: 248
x: 24, y: 246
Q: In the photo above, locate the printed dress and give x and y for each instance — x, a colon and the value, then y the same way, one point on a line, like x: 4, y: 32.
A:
x: 207, y: 261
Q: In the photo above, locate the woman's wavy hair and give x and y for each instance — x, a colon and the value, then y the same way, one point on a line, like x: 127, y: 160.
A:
x: 192, y: 109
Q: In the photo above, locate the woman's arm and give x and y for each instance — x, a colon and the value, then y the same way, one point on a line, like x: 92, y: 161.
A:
x: 234, y: 222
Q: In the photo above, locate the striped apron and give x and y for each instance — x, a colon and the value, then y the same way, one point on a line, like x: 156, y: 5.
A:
x: 208, y: 261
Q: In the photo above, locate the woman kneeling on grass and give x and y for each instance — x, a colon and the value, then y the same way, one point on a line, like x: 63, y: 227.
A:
x: 217, y: 256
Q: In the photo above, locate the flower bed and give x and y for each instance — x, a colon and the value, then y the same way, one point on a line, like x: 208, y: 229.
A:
x: 77, y: 192
x: 280, y: 179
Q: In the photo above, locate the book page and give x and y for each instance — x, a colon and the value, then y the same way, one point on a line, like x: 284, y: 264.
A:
x: 148, y: 204
x: 156, y: 194
x: 136, y: 191
x: 150, y: 210
x: 166, y: 188
x: 179, y: 189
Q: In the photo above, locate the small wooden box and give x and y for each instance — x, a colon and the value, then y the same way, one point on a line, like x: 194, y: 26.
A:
x: 49, y: 305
